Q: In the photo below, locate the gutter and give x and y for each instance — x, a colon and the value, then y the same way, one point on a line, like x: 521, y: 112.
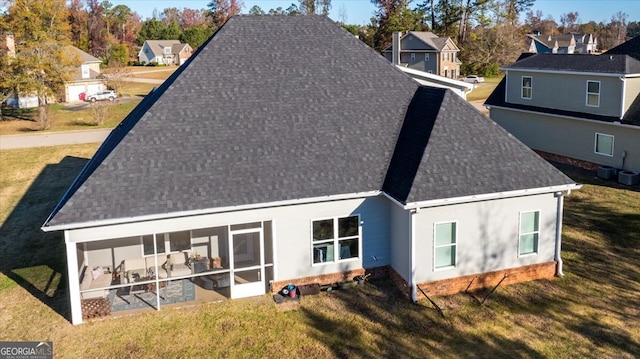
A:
x: 488, y: 196
x: 199, y: 212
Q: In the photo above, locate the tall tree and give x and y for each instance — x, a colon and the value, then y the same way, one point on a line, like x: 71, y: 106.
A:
x: 78, y: 20
x: 41, y: 65
x: 152, y: 29
x: 171, y: 32
x: 222, y: 10
x: 196, y: 36
x: 191, y: 18
x: 394, y: 15
x: 97, y: 29
x: 171, y: 14
x: 320, y: 7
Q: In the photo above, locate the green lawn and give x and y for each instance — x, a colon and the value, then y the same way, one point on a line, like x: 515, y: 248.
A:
x: 483, y: 90
x: 594, y: 311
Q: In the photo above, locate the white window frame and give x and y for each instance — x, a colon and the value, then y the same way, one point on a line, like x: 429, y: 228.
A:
x: 454, y: 245
x: 166, y: 50
x: 160, y: 238
x: 522, y: 87
x: 593, y: 93
x: 426, y: 57
x: 536, y: 231
x: 413, y: 56
x: 595, y: 144
x: 336, y: 240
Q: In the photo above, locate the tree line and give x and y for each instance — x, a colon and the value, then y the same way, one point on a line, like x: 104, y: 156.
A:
x: 489, y: 32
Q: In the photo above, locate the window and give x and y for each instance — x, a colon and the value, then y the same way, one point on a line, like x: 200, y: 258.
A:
x: 413, y: 57
x: 335, y: 238
x: 178, y: 241
x: 593, y: 93
x: 529, y: 232
x: 167, y: 50
x: 604, y: 144
x: 147, y: 244
x: 445, y: 245
x: 426, y: 57
x: 526, y: 87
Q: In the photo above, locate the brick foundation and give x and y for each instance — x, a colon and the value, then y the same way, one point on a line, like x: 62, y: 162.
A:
x: 440, y: 287
x: 568, y: 160
x: 325, y: 279
x: 488, y: 280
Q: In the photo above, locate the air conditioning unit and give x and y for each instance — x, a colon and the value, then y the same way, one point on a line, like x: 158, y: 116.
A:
x: 629, y: 178
x: 607, y: 172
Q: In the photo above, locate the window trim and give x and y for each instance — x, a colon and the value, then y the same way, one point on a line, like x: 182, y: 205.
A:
x: 160, y: 238
x: 593, y: 93
x: 454, y: 244
x: 595, y: 144
x: 520, y: 234
x: 336, y: 239
x: 522, y: 87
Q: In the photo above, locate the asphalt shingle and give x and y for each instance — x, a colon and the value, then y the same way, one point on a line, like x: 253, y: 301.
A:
x: 265, y: 111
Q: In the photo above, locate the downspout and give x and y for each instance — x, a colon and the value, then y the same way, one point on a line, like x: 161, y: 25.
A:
x: 557, y: 256
x: 414, y: 290
x: 623, y: 79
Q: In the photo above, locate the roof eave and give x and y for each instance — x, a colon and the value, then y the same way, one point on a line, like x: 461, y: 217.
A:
x: 198, y: 212
x: 491, y: 196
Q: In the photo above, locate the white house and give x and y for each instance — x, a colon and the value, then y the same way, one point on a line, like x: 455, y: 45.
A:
x: 281, y: 166
x: 167, y: 52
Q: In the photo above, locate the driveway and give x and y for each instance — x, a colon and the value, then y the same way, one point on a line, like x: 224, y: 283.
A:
x: 82, y: 105
x: 8, y: 142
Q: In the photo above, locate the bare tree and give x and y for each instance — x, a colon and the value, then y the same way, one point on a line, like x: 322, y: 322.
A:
x: 117, y: 74
x: 100, y: 111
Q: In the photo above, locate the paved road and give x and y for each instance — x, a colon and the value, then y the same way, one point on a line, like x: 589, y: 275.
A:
x: 53, y: 138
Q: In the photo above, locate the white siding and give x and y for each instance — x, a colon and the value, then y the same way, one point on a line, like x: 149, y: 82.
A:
x: 292, y: 237
x: 487, y: 236
x: 401, y: 241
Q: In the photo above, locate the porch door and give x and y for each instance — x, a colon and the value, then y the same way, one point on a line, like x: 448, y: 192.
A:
x: 247, y: 263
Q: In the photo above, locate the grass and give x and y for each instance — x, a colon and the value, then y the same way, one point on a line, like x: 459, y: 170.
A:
x: 161, y: 73
x: 593, y: 312
x: 483, y: 90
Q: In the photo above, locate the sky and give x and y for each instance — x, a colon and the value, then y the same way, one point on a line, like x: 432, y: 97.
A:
x: 360, y: 11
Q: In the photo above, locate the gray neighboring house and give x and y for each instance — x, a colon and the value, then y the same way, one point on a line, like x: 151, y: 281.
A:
x: 166, y: 52
x: 584, y: 109
x: 425, y: 51
x: 288, y: 167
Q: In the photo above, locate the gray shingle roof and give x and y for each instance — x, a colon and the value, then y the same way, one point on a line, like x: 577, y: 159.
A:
x: 448, y: 149
x: 614, y: 63
x: 241, y: 123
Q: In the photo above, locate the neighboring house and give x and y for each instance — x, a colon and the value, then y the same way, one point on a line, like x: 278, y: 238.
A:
x: 584, y: 108
x: 424, y: 51
x: 87, y: 76
x: 167, y: 52
x: 289, y: 167
x: 572, y: 43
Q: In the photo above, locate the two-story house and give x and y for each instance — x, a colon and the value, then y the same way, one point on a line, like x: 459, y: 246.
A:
x: 572, y: 43
x: 582, y: 108
x: 167, y: 52
x: 424, y: 51
x: 87, y: 77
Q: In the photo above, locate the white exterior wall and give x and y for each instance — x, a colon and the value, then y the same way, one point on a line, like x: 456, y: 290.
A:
x: 292, y: 234
x: 400, y: 241
x: 487, y: 236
